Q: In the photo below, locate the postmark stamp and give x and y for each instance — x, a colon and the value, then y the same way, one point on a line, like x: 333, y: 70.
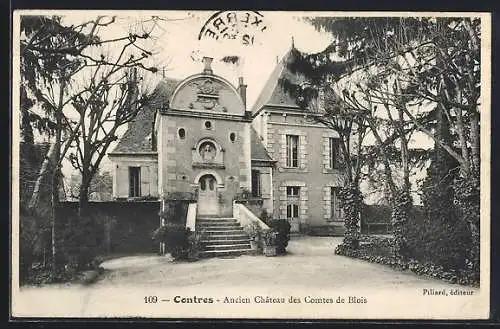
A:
x: 241, y: 26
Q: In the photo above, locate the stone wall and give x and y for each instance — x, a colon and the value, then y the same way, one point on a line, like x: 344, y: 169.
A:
x: 124, y: 227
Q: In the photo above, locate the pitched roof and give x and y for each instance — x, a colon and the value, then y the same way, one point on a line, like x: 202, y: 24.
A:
x: 258, y: 151
x: 273, y: 92
x: 137, y: 138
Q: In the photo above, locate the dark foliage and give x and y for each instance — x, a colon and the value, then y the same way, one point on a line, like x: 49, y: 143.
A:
x: 180, y: 242
x: 83, y: 241
x: 467, y: 198
x: 282, y: 229
x: 381, y: 251
x: 175, y: 211
x: 176, y: 239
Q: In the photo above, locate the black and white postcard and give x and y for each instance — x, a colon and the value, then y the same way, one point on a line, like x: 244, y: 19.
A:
x: 251, y: 164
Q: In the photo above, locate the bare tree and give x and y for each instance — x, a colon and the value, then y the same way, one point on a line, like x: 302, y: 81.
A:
x: 53, y: 57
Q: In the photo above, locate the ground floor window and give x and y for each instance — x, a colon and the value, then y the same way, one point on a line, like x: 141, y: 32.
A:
x: 336, y: 211
x: 256, y: 189
x: 134, y: 181
x: 292, y: 202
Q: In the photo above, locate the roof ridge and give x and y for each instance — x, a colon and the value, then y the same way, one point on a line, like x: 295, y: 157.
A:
x: 271, y: 84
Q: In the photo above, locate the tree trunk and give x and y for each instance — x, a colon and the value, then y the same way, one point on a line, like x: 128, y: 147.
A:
x: 56, y: 226
x: 405, y: 165
x: 83, y: 198
x: 475, y: 142
x: 56, y: 261
x: 463, y: 141
x: 402, y: 137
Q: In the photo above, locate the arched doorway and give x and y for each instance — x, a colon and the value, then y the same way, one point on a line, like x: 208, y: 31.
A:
x: 208, y: 203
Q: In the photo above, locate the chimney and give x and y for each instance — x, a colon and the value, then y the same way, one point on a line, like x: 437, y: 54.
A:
x: 207, y: 62
x: 242, y: 89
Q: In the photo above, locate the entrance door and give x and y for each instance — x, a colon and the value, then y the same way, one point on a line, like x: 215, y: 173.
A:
x: 208, y: 203
x: 292, y: 207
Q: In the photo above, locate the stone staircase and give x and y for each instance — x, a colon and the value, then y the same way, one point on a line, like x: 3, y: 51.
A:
x: 222, y: 236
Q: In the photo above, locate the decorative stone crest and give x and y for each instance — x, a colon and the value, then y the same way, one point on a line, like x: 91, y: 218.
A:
x: 208, y: 88
x: 208, y: 93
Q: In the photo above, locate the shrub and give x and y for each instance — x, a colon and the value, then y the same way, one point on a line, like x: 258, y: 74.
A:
x: 83, y: 241
x: 271, y: 238
x: 255, y: 233
x: 175, y: 211
x: 176, y: 239
x: 194, y: 240
x: 180, y: 242
x: 282, y: 228
x: 34, y: 245
x: 381, y: 251
x: 439, y: 242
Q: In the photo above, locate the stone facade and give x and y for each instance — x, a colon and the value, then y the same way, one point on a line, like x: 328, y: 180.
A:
x: 312, y: 175
x: 200, y: 140
x: 202, y: 147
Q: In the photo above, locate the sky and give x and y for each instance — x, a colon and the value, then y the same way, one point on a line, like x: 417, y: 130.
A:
x: 178, y: 51
x: 181, y: 52
x: 260, y: 40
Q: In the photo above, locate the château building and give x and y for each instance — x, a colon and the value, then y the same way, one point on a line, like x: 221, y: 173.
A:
x: 201, y: 140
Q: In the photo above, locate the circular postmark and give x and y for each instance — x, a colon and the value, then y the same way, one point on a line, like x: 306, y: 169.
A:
x: 241, y: 26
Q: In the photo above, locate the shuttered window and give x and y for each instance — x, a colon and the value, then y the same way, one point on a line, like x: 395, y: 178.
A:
x: 134, y: 181
x: 292, y: 150
x: 333, y: 153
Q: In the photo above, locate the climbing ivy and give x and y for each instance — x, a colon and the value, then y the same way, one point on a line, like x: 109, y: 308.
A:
x: 400, y: 215
x: 351, y: 199
x: 467, y: 199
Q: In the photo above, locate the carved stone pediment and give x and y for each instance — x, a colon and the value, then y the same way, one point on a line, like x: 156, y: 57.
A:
x: 208, y: 87
x: 207, y: 95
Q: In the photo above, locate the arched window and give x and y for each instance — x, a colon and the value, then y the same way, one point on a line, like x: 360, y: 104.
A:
x: 203, y: 184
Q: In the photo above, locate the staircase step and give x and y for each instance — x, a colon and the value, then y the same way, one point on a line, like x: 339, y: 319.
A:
x: 219, y: 227
x: 223, y: 253
x: 224, y: 241
x: 223, y: 231
x: 219, y: 224
x: 222, y: 237
x: 216, y: 222
x: 243, y: 246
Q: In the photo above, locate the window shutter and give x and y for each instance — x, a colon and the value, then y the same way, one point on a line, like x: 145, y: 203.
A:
x: 144, y: 182
x: 302, y: 152
x: 122, y: 181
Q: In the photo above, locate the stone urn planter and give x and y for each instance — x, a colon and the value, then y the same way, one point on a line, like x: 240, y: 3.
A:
x: 270, y: 251
x: 254, y: 245
x: 255, y: 233
x: 270, y: 243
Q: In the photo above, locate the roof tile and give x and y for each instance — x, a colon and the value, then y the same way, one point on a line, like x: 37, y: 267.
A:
x: 137, y: 138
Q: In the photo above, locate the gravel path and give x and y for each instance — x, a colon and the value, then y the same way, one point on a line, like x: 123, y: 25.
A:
x: 310, y: 269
